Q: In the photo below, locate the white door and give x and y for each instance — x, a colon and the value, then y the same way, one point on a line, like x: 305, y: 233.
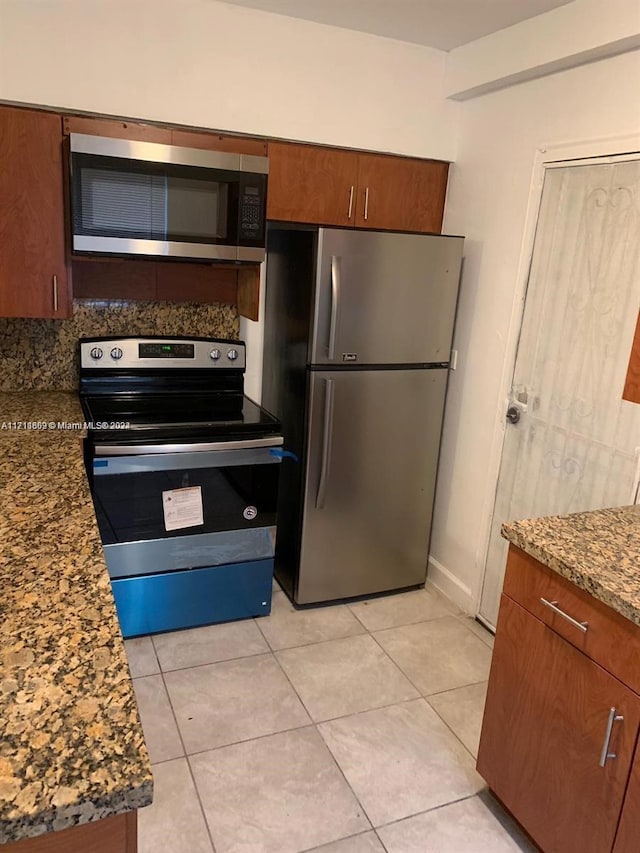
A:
x: 575, y: 445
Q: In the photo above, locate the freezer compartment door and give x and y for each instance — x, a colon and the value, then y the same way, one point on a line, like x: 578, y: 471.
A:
x: 371, y: 470
x: 384, y: 298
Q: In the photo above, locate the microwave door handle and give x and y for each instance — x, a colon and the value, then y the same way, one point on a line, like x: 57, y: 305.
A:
x: 335, y: 301
x: 326, y: 444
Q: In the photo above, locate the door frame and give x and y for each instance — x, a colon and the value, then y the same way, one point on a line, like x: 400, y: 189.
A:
x: 549, y: 156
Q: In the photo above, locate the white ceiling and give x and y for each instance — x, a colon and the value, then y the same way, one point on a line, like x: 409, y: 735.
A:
x: 443, y: 24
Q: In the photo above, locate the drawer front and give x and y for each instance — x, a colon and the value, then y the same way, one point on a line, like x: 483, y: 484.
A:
x: 609, y: 639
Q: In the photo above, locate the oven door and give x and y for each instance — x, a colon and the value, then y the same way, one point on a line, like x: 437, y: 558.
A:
x: 188, y: 535
x: 170, y: 511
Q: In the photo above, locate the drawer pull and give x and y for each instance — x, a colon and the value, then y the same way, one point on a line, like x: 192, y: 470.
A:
x: 553, y: 605
x: 605, y: 754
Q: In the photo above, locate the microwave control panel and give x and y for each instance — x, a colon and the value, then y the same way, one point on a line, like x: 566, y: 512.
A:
x: 252, y: 207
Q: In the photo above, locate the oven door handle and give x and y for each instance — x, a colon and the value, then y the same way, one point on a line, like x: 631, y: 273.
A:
x: 191, y: 447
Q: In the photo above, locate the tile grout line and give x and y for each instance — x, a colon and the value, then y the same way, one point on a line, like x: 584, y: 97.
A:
x: 464, y: 746
x: 413, y: 684
x: 426, y: 811
x: 424, y: 698
x: 273, y: 652
x: 211, y: 663
x: 344, y: 838
x: 452, y: 689
x: 453, y: 732
x: 410, y: 622
x: 488, y: 640
x: 308, y: 725
x: 382, y: 844
x: 333, y: 758
x: 186, y: 757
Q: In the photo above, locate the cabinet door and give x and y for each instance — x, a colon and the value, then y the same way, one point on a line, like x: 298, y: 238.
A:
x: 33, y: 274
x: 628, y: 837
x: 311, y: 184
x: 115, y: 834
x: 400, y: 193
x: 544, y: 727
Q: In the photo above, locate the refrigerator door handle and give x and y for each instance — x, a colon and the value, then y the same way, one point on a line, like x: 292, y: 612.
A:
x: 335, y: 299
x: 326, y: 443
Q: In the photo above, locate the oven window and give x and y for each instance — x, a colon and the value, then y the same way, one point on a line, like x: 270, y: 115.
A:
x: 129, y: 506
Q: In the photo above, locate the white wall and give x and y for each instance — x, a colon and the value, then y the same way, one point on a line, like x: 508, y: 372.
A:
x: 487, y: 202
x: 208, y: 64
x: 571, y: 35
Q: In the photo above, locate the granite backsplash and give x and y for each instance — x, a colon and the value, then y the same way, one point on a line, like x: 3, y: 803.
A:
x: 43, y: 354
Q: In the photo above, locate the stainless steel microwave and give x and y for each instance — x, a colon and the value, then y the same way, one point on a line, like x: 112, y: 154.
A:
x: 142, y: 198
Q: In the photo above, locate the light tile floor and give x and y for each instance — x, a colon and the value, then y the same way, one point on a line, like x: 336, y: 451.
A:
x: 344, y: 729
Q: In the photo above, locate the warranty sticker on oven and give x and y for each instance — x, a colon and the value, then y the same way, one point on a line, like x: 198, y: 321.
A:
x: 182, y: 508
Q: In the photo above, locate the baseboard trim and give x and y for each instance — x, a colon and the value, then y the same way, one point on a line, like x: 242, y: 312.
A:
x: 450, y: 586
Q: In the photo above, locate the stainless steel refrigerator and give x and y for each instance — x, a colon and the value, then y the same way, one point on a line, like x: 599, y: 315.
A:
x: 358, y: 331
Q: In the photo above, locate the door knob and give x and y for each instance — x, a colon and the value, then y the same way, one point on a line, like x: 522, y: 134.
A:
x: 513, y: 414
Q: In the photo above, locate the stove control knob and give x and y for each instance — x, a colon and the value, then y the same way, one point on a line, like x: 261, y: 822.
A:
x: 96, y: 353
x: 214, y: 355
x: 232, y: 354
x: 116, y: 353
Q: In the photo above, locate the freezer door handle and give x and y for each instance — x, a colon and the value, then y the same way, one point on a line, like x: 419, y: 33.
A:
x: 326, y: 443
x: 335, y: 299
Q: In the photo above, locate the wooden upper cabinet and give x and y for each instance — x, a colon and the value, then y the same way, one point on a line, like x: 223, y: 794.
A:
x: 400, y: 194
x: 33, y: 275
x: 632, y: 385
x: 308, y: 183
x: 330, y: 186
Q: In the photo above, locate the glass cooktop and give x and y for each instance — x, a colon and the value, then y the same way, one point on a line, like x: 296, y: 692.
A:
x: 172, y: 416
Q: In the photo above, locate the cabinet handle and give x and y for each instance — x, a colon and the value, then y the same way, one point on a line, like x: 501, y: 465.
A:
x: 552, y: 605
x: 366, y: 203
x: 55, y: 293
x: 605, y: 754
x: 350, y: 202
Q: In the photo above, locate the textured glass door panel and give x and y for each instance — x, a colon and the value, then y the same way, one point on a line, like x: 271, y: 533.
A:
x: 575, y: 445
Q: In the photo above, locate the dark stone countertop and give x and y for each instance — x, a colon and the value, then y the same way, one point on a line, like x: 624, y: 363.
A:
x: 71, y: 743
x: 598, y: 551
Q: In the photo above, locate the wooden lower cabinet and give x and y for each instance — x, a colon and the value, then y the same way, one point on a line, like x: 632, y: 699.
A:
x: 628, y: 837
x: 117, y: 834
x: 544, y: 727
